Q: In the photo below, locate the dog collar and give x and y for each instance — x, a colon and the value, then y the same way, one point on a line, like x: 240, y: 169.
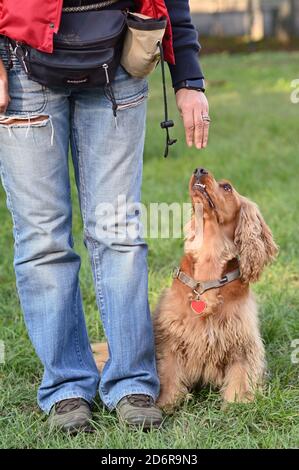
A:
x: 200, y: 287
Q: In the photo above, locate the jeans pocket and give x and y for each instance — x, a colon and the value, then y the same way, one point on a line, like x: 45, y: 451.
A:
x: 129, y: 91
x: 27, y: 97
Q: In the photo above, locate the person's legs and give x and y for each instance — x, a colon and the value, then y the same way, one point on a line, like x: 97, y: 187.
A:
x: 108, y: 163
x: 35, y: 175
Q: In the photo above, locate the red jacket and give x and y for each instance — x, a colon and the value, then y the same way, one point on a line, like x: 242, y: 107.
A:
x: 34, y: 21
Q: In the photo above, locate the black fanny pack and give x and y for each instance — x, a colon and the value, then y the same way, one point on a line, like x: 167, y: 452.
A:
x: 87, y: 51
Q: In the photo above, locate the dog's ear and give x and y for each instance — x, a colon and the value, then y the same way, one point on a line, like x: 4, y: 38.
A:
x: 193, y: 230
x: 254, y: 242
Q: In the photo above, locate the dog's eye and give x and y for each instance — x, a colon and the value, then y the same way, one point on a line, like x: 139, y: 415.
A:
x: 227, y: 187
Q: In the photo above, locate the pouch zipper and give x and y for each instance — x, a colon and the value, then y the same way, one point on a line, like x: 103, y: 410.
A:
x: 67, y: 67
x: 109, y: 90
x: 61, y: 45
x: 83, y: 46
x: 18, y: 51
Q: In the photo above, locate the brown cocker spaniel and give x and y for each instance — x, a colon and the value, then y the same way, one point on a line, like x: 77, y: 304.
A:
x: 206, y: 323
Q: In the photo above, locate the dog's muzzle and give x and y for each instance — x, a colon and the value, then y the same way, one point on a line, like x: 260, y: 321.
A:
x: 202, y: 188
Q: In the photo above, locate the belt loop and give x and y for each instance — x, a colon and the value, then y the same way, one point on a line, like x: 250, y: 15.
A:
x: 9, y: 52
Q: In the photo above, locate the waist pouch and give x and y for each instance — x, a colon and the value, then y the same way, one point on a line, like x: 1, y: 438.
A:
x: 89, y: 47
x: 141, y: 52
x: 87, y: 51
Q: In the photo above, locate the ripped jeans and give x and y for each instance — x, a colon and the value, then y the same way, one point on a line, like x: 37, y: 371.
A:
x: 35, y: 134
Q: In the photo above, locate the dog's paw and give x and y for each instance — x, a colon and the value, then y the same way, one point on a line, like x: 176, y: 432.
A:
x: 233, y: 396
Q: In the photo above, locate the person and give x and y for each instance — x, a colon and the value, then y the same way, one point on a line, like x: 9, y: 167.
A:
x: 36, y: 126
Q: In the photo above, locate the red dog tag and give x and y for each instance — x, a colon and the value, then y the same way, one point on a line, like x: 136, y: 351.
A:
x: 198, y: 306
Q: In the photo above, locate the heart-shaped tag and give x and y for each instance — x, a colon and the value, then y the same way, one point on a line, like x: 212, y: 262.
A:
x: 198, y: 306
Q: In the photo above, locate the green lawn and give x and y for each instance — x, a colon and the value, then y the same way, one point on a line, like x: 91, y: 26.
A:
x: 254, y: 142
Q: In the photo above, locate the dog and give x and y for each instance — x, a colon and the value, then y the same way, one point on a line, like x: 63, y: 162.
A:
x: 206, y: 324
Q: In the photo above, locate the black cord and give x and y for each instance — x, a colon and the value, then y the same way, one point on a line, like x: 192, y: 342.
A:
x: 167, y: 123
x: 108, y: 90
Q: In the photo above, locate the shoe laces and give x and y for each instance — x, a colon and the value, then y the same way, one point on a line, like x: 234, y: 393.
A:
x: 142, y: 401
x: 65, y: 406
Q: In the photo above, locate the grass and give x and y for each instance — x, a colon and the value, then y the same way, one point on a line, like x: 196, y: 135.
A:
x: 253, y: 142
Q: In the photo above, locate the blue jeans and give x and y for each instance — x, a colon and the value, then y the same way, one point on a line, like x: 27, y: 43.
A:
x: 107, y: 157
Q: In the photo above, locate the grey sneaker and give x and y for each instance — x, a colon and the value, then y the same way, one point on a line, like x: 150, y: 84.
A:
x: 71, y: 415
x: 139, y: 411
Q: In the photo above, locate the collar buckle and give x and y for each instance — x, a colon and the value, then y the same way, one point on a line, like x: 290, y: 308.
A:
x: 175, y: 272
x: 223, y: 280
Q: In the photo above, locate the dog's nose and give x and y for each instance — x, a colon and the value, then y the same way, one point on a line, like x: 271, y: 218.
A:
x: 198, y: 172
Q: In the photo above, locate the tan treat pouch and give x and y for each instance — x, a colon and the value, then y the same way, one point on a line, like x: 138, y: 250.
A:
x: 141, y: 52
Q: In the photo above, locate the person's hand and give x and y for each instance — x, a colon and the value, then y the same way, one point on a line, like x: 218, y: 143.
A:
x: 4, y: 95
x: 194, y: 110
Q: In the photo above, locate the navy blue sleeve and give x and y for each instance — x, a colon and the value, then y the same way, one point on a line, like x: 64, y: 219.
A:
x: 185, y: 42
